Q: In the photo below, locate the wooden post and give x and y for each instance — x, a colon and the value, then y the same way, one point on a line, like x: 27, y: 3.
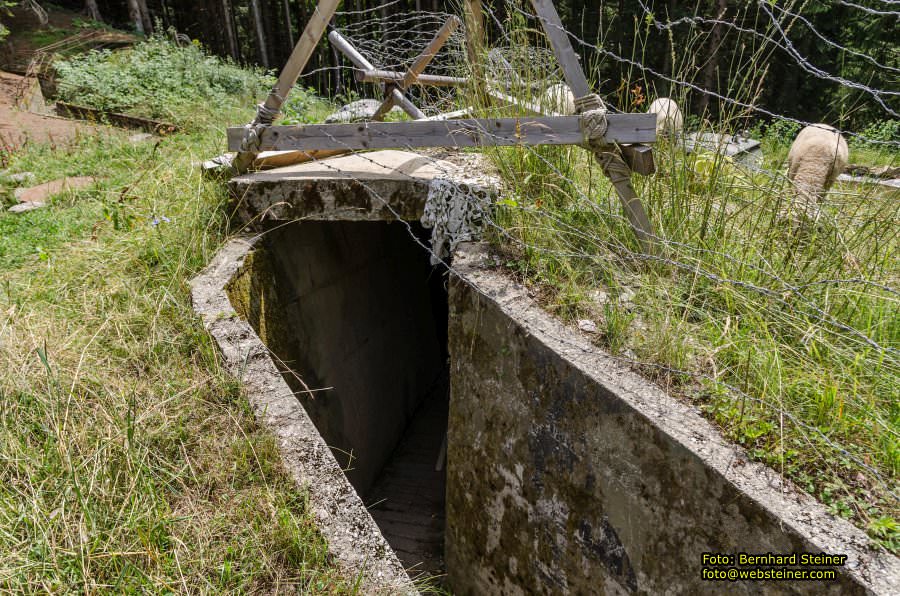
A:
x: 390, y: 76
x: 419, y: 64
x: 562, y: 47
x: 474, y: 45
x: 310, y: 37
x: 614, y: 166
x: 359, y: 61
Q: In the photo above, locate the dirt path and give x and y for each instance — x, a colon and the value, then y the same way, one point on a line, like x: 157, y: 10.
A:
x: 18, y: 127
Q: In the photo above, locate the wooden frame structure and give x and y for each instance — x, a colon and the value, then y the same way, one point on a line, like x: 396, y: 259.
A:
x: 616, y: 139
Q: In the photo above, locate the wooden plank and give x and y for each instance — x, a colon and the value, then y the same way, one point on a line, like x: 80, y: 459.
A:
x: 419, y: 64
x: 277, y: 159
x: 390, y: 76
x: 563, y: 130
x: 307, y: 43
x: 562, y: 47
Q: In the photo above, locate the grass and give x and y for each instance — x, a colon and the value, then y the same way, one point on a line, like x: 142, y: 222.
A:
x: 785, y: 334
x: 129, y: 460
x: 740, y: 315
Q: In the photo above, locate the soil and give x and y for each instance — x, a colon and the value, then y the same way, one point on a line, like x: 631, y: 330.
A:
x: 18, y: 127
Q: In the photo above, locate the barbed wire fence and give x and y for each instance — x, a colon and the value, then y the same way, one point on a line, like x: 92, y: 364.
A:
x: 788, y: 337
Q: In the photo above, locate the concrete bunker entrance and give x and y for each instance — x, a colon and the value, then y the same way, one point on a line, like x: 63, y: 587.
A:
x: 356, y: 319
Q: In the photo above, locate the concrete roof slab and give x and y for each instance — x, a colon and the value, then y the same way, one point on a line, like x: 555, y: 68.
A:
x: 379, y: 186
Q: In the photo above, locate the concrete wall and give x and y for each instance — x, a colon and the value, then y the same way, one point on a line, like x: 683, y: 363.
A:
x: 354, y: 321
x: 567, y: 473
x: 239, y: 281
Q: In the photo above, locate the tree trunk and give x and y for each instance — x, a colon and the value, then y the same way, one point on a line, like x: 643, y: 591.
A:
x: 134, y: 13
x: 260, y: 33
x: 92, y: 10
x: 145, y: 16
x: 230, y: 35
x: 288, y: 23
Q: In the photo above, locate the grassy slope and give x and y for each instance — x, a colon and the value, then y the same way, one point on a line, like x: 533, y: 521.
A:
x: 128, y: 459
x: 716, y: 319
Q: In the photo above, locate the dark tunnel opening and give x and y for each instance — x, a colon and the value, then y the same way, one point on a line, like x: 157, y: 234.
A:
x: 360, y: 330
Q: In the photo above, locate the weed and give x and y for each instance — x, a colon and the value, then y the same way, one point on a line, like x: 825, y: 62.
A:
x: 129, y: 461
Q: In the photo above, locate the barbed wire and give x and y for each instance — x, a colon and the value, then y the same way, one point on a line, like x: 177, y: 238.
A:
x: 451, y: 171
x: 694, y: 87
x: 867, y: 10
x: 805, y: 306
x: 700, y: 20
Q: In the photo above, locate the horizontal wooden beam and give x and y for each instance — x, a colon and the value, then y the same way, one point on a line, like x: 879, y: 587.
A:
x: 481, y: 132
x: 390, y: 76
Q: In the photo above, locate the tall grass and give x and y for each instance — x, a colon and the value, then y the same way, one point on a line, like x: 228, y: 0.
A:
x: 785, y: 334
x: 129, y: 461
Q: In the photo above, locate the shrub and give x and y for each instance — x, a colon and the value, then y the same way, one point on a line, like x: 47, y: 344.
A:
x: 158, y: 79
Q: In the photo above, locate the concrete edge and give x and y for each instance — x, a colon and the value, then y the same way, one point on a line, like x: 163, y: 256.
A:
x: 799, y: 513
x: 354, y: 540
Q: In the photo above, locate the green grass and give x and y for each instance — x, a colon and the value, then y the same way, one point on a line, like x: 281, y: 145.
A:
x: 738, y: 315
x: 129, y: 460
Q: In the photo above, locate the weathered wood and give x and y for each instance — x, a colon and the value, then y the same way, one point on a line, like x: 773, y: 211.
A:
x: 419, y: 64
x: 639, y: 158
x: 309, y: 39
x: 277, y: 159
x: 359, y: 61
x: 475, y: 40
x: 454, y: 114
x: 563, y: 130
x: 525, y: 105
x: 619, y: 174
x: 398, y: 99
x: 562, y: 47
x: 390, y: 76
x: 68, y: 110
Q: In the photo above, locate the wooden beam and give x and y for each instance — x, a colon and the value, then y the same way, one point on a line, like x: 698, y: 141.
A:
x: 309, y: 39
x: 562, y: 47
x: 563, y: 130
x: 390, y: 76
x: 419, y: 64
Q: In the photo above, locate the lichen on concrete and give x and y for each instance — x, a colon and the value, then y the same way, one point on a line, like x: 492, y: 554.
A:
x: 568, y: 473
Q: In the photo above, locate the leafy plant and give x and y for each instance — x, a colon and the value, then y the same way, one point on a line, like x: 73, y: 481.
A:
x: 158, y: 79
x: 5, y: 5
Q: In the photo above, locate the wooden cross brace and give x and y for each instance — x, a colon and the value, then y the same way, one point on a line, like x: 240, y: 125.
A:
x: 419, y: 64
x: 615, y: 151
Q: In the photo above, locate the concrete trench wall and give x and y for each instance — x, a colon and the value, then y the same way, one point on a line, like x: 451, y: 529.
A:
x: 566, y: 473
x: 354, y: 540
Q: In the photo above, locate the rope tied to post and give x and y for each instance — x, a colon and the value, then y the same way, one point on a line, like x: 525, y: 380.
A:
x: 265, y: 117
x: 593, y: 121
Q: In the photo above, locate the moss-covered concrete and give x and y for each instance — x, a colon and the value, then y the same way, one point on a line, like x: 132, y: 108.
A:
x: 567, y: 473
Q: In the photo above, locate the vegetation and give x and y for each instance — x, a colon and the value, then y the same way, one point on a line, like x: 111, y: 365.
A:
x: 157, y: 78
x: 712, y: 34
x: 129, y: 461
x: 5, y: 5
x: 785, y: 334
